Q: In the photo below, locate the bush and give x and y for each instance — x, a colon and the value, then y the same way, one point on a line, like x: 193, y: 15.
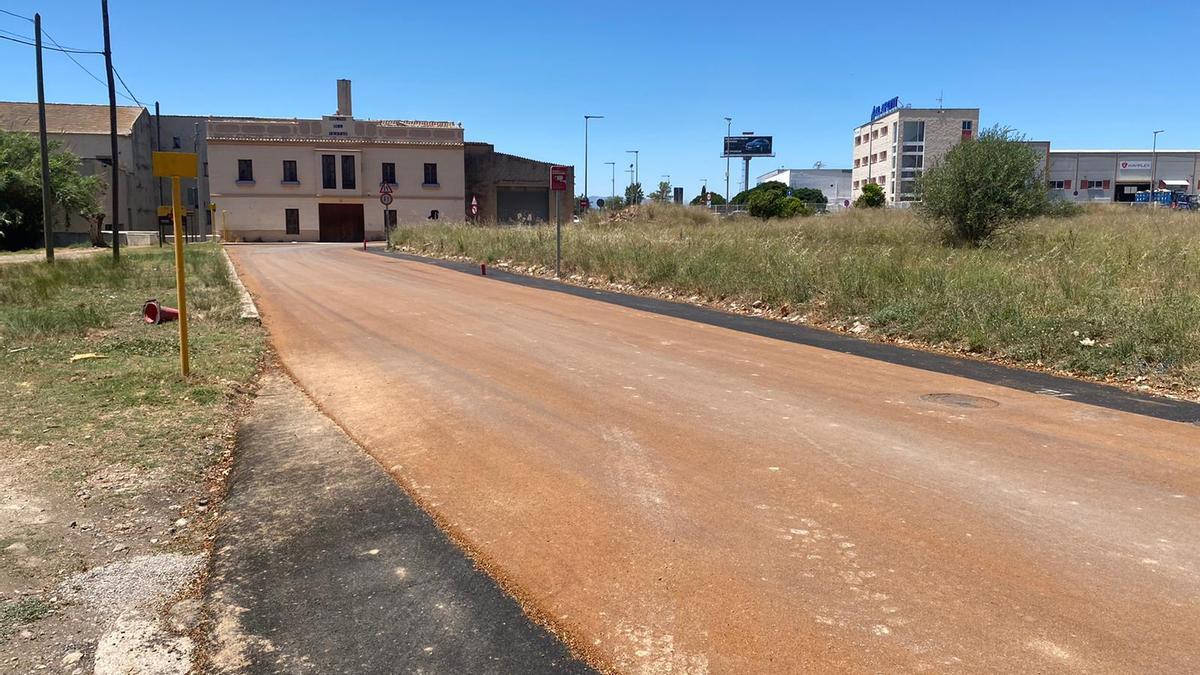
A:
x: 810, y: 195
x: 792, y: 207
x: 872, y: 197
x: 982, y: 186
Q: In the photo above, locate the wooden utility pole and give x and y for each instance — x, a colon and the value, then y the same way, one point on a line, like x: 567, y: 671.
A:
x: 112, y: 123
x: 47, y: 223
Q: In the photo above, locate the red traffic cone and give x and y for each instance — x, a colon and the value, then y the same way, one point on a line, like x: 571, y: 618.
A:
x: 154, y: 313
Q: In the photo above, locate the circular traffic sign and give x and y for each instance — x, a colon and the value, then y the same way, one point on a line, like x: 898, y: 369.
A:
x: 385, y: 199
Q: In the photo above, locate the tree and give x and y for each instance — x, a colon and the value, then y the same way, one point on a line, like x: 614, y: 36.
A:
x: 872, y: 197
x: 702, y: 198
x: 21, y: 189
x: 983, y: 185
x: 634, y: 194
x: 776, y: 189
x: 613, y: 203
x: 810, y: 195
x: 663, y: 193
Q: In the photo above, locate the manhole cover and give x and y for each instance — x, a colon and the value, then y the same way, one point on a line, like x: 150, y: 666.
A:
x: 960, y: 400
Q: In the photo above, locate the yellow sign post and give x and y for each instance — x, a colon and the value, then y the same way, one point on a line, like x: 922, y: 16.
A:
x: 176, y: 165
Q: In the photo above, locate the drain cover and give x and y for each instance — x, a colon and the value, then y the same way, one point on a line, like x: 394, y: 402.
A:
x: 960, y: 400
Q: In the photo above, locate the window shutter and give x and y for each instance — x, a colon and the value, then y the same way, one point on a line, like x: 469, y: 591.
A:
x: 1066, y: 185
x: 1107, y: 184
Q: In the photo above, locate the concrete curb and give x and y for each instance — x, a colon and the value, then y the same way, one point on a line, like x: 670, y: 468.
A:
x: 249, y: 309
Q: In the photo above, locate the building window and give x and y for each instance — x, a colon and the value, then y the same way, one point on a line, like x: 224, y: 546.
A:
x: 245, y: 171
x: 1057, y: 184
x: 858, y: 140
x: 855, y: 185
x: 192, y: 198
x: 883, y: 155
x: 883, y: 180
x: 856, y: 162
x: 968, y: 125
x: 291, y: 221
x: 389, y: 173
x: 912, y: 162
x: 328, y: 172
x: 289, y: 171
x: 874, y: 134
x: 883, y: 131
x: 914, y: 132
x: 431, y: 174
x: 175, y: 143
x: 348, y: 182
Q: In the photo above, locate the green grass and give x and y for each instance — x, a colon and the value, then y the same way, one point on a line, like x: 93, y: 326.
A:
x: 133, y: 407
x: 1127, y: 279
x: 19, y: 613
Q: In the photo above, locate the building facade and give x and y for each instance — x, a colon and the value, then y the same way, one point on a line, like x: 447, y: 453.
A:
x: 510, y: 189
x: 894, y: 148
x: 85, y: 131
x: 835, y: 184
x: 321, y: 179
x: 1119, y: 175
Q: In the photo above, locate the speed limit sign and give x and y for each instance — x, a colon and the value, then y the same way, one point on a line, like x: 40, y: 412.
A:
x: 385, y: 199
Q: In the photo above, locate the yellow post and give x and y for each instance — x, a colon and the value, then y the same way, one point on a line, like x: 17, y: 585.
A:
x: 176, y: 165
x: 177, y: 224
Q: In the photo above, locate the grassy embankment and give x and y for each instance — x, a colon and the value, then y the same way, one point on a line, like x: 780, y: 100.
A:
x: 112, y: 441
x: 1111, y: 293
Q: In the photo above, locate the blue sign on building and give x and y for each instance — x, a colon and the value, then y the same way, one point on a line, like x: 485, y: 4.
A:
x: 885, y: 108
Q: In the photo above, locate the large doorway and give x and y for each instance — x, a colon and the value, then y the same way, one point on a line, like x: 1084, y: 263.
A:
x: 522, y: 205
x: 1127, y: 192
x: 340, y: 222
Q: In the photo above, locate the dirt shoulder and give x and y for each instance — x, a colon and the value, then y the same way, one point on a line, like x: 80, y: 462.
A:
x: 111, y: 464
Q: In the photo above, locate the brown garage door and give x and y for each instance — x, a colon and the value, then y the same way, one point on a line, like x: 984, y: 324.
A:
x: 340, y: 222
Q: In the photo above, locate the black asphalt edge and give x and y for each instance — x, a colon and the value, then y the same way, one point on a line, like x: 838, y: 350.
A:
x: 1091, y: 393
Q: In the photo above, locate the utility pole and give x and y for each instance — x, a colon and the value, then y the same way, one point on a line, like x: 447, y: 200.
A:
x: 637, y: 178
x: 158, y: 146
x: 47, y: 223
x: 586, y: 119
x: 112, y: 123
x: 728, y: 129
x: 1154, y: 169
x: 614, y: 179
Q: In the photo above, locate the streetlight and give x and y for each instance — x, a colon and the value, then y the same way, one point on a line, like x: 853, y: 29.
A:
x: 636, y: 176
x: 614, y: 179
x: 630, y: 172
x: 1154, y: 168
x: 586, y: 119
x: 728, y: 128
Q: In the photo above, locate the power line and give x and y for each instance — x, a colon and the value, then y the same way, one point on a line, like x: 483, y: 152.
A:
x: 83, y: 67
x: 65, y: 50
x: 122, y: 81
x: 5, y: 11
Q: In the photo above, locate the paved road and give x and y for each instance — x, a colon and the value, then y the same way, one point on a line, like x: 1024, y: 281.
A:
x: 679, y: 497
x: 323, y: 565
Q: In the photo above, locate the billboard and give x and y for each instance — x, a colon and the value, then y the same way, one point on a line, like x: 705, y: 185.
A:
x: 748, y: 146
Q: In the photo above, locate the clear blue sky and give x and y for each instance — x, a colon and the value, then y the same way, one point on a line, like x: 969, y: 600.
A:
x: 522, y: 75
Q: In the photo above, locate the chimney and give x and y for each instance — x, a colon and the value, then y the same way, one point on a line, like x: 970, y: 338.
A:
x: 343, y: 93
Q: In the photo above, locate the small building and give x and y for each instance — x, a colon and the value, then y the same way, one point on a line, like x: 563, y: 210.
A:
x: 85, y: 131
x: 835, y: 184
x: 1119, y: 175
x: 320, y: 179
x: 511, y: 189
x: 894, y: 147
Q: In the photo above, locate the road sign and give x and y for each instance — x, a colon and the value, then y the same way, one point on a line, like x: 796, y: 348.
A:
x: 474, y: 206
x: 599, y: 203
x: 558, y: 178
x: 385, y: 188
x: 385, y: 198
x: 584, y: 204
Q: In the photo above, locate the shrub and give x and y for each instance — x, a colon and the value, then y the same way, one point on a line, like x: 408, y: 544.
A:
x: 872, y: 197
x: 982, y: 186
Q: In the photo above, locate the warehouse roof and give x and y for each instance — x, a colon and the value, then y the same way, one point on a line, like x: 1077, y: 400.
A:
x: 66, y: 118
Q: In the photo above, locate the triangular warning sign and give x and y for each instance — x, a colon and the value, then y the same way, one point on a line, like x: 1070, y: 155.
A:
x: 385, y: 188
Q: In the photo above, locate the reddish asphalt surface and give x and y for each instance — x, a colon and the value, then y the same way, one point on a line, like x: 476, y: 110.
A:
x: 675, y: 497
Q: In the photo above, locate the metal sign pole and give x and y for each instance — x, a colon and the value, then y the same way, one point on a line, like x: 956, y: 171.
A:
x: 180, y: 282
x: 558, y: 235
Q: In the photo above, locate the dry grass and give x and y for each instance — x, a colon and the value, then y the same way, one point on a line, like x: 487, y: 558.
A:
x: 1112, y: 293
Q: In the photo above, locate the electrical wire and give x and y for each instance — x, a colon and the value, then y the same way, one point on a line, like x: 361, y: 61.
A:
x: 122, y: 81
x: 65, y: 50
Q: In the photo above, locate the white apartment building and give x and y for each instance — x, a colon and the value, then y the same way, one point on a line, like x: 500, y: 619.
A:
x: 835, y: 184
x: 320, y: 180
x: 894, y: 148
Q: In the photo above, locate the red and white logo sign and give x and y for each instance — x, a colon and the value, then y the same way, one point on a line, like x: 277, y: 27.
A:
x: 558, y: 178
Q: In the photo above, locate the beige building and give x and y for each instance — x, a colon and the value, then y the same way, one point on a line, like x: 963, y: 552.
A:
x: 894, y: 148
x: 85, y: 131
x: 320, y: 179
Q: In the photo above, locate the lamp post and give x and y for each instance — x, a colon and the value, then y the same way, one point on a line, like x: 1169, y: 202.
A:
x: 636, y: 175
x: 586, y: 119
x: 728, y: 128
x: 630, y: 172
x: 1154, y: 168
x: 614, y: 179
